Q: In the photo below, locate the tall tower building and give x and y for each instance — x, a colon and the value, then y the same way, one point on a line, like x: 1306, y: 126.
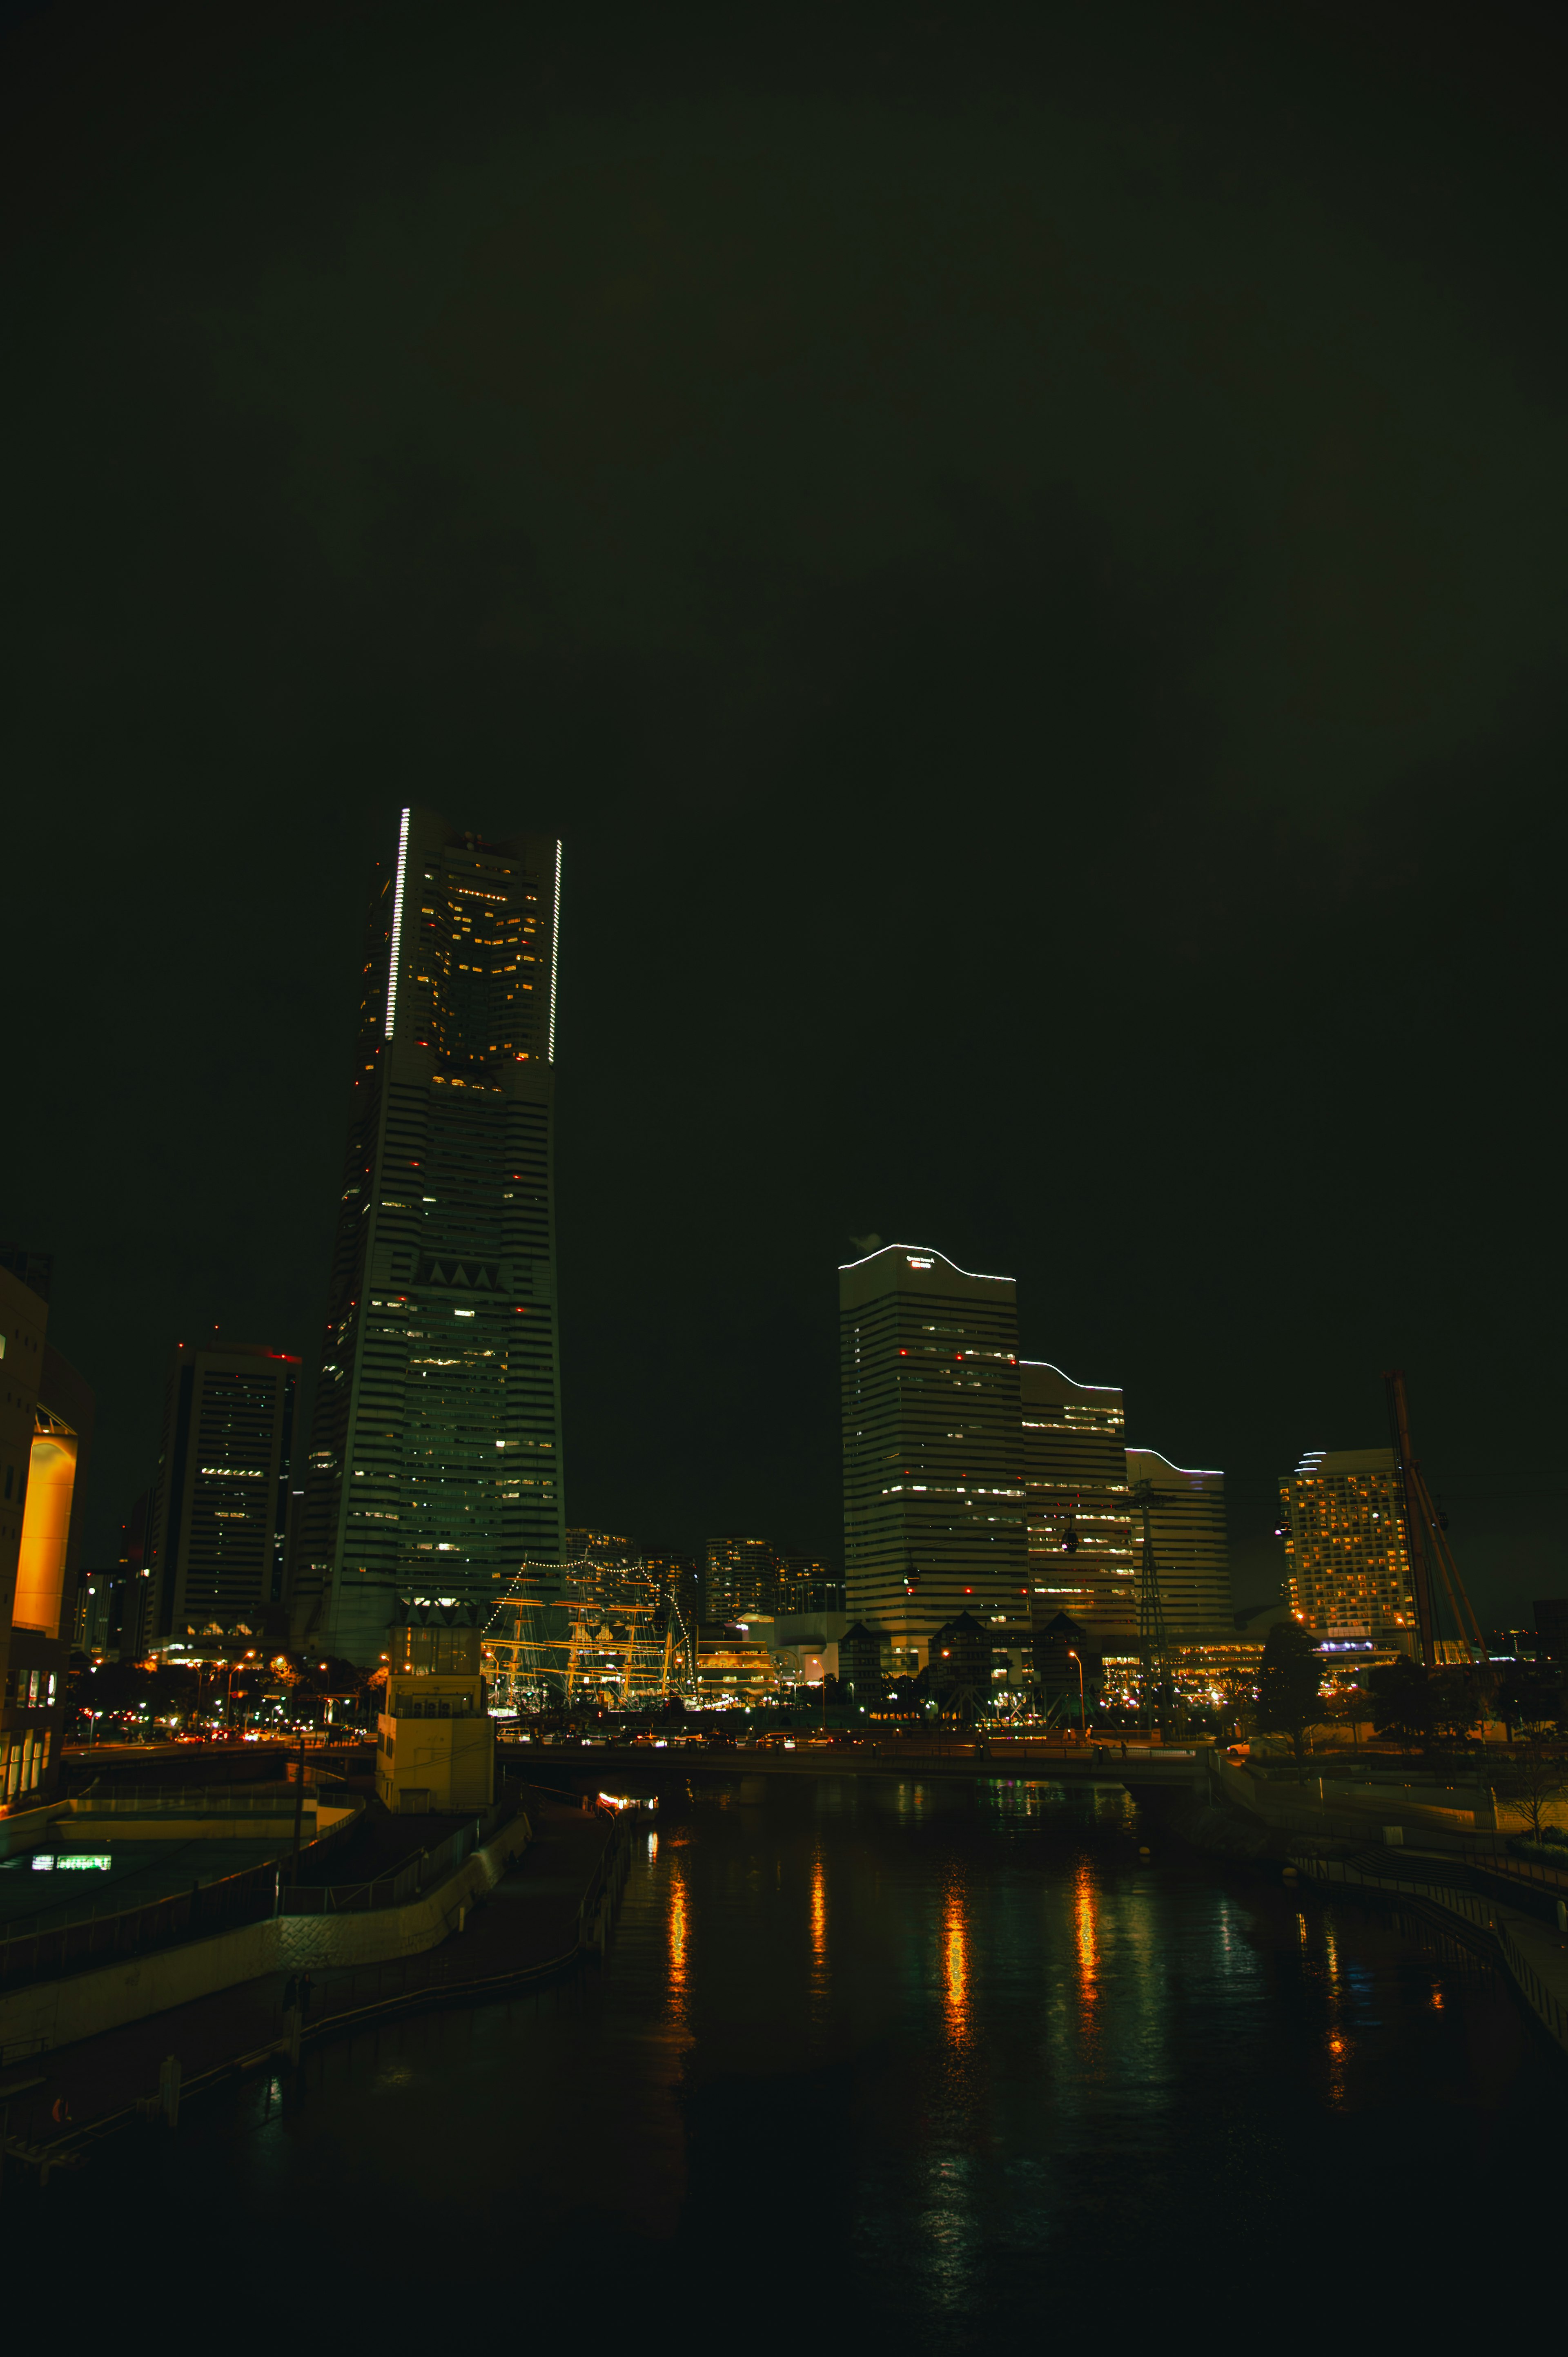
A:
x: 933, y: 1443
x: 434, y: 1459
x: 1082, y: 1557
x: 1347, y: 1561
x: 1192, y: 1547
x: 214, y: 1556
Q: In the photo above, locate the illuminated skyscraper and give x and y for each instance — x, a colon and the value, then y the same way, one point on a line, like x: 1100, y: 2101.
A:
x: 933, y: 1443
x: 434, y: 1463
x: 1081, y: 1557
x: 1191, y: 1543
x: 1347, y: 1561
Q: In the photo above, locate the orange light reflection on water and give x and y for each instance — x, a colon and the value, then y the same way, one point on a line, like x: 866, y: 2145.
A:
x: 819, y: 1917
x: 676, y: 1932
x: 955, y: 1940
x: 1085, y: 1903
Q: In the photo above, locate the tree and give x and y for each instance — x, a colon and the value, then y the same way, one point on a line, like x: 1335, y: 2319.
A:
x: 1290, y: 1684
x: 1526, y: 1698
x: 1528, y: 1780
x: 1402, y: 1701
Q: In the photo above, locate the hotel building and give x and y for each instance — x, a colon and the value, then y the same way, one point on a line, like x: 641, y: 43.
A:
x: 435, y: 1458
x: 1346, y: 1560
x: 933, y: 1443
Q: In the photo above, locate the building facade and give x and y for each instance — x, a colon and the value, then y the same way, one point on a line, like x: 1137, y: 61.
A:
x: 216, y: 1534
x: 1192, y: 1547
x: 804, y: 1584
x: 738, y: 1577
x: 1347, y: 1558
x: 933, y: 1456
x: 45, y: 1437
x: 1082, y: 1557
x: 434, y: 1463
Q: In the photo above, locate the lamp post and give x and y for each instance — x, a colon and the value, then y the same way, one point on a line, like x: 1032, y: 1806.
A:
x: 1082, y: 1704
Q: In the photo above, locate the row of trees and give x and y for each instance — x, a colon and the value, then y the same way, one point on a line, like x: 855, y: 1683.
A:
x: 130, y: 1693
x: 1421, y: 1708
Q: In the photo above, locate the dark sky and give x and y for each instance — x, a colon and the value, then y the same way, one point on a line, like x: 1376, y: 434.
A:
x: 1022, y: 553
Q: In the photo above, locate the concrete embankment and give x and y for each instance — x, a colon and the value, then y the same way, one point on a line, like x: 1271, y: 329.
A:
x: 528, y: 1905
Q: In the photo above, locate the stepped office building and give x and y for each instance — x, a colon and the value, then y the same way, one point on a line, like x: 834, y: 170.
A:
x: 1192, y: 1547
x: 434, y: 1459
x: 1081, y: 1558
x: 934, y: 1494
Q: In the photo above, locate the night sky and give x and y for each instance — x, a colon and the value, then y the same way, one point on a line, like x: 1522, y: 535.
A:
x: 1023, y: 554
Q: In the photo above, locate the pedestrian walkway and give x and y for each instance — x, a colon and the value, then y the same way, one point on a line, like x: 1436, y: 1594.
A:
x: 531, y: 1925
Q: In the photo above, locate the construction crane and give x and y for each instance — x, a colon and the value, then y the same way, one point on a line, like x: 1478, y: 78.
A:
x: 1427, y: 1541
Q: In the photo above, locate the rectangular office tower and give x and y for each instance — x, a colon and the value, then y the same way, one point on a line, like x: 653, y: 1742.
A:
x: 434, y: 1462
x: 1081, y: 1557
x: 214, y: 1560
x: 934, y: 1465
x: 1191, y: 1543
x: 1346, y: 1556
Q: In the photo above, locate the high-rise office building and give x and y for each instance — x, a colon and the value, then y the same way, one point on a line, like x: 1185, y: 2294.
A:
x: 434, y: 1461
x: 1346, y: 1557
x: 1191, y: 1543
x: 738, y: 1577
x: 218, y: 1534
x: 933, y: 1443
x: 1081, y: 1558
x: 46, y: 1435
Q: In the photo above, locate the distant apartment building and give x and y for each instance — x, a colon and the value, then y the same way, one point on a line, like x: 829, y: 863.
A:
x: 803, y: 1585
x: 219, y: 1526
x: 739, y: 1576
x: 46, y: 1434
x: 599, y: 1569
x: 1082, y: 1561
x: 1191, y: 1543
x: 933, y: 1445
x: 1347, y: 1559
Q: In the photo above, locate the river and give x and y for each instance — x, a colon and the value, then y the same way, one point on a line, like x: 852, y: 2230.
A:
x: 927, y: 2064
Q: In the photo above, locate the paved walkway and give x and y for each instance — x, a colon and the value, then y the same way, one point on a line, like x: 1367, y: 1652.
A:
x: 529, y: 1925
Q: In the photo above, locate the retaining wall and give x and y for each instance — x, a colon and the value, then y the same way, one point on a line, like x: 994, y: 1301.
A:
x: 82, y: 2005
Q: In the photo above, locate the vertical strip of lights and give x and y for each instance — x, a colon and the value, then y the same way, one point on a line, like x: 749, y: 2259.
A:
x: 397, y: 924
x: 555, y: 949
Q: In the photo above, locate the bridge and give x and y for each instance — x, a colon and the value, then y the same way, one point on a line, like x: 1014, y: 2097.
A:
x: 646, y: 1766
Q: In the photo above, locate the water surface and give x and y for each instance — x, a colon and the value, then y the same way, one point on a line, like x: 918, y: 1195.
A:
x: 927, y: 2063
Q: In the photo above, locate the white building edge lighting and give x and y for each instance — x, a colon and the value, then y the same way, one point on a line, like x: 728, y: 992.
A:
x: 927, y: 1252
x: 397, y: 924
x: 554, y: 949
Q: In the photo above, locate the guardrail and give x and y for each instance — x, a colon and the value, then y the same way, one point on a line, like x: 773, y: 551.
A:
x: 50, y: 1952
x: 426, y: 1867
x: 193, y: 1799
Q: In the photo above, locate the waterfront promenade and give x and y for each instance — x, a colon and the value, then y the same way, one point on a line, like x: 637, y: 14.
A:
x: 546, y: 1909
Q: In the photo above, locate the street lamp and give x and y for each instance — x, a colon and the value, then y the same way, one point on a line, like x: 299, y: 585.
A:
x: 1082, y: 1704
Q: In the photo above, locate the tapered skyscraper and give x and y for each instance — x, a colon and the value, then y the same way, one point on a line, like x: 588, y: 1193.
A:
x: 434, y: 1462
